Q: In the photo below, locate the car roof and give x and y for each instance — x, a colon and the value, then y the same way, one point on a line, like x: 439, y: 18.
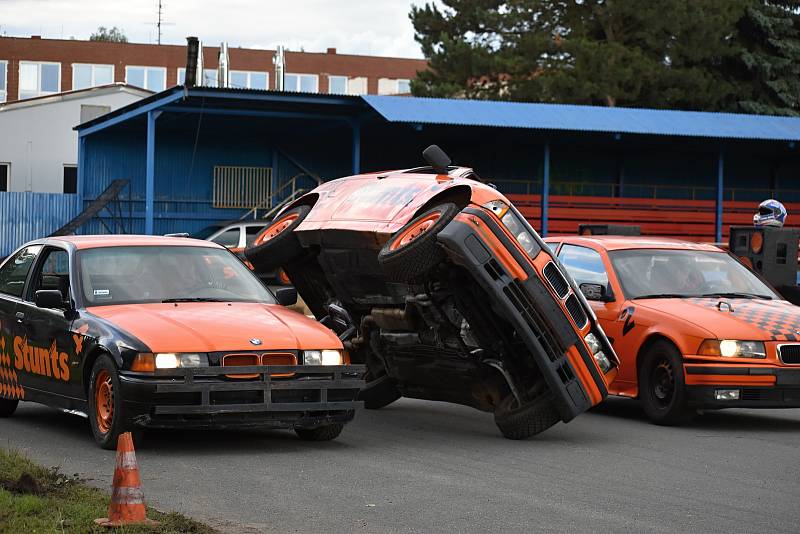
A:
x: 98, y: 241
x: 618, y: 242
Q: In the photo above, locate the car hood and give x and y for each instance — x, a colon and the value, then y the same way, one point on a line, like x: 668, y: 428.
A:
x: 761, y: 320
x: 217, y: 326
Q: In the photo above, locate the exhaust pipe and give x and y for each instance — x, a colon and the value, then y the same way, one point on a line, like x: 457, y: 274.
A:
x: 193, y: 50
x: 280, y: 67
x: 223, y: 73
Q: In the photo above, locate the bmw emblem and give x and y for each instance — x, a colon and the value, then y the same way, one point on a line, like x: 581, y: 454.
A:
x: 255, y: 341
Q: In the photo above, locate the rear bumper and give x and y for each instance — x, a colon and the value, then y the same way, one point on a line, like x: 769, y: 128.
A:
x: 757, y: 386
x: 529, y: 307
x: 206, y: 398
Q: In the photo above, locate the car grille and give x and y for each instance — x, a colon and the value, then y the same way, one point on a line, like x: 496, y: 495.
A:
x: 790, y: 354
x: 556, y: 279
x: 272, y: 358
x: 527, y: 310
x: 576, y: 311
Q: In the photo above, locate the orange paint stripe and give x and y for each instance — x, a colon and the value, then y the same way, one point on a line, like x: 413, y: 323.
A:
x: 730, y: 380
x: 584, y: 375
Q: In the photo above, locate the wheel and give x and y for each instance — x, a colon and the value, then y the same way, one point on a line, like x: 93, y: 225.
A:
x: 662, y: 387
x: 105, y: 404
x: 8, y: 407
x: 278, y: 244
x: 321, y: 433
x: 379, y: 393
x: 520, y: 422
x: 413, y: 251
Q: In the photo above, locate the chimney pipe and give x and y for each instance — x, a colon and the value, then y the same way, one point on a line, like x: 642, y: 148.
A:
x: 280, y: 67
x: 223, y: 77
x: 201, y: 74
x: 192, y: 47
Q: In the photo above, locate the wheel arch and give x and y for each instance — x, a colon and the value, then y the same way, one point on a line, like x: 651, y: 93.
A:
x: 649, y: 341
x: 460, y: 195
x: 95, y: 352
x: 309, y: 199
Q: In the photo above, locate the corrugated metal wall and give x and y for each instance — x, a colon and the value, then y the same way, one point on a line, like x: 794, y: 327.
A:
x: 27, y: 216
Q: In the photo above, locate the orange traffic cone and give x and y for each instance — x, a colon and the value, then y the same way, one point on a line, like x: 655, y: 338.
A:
x: 127, y: 500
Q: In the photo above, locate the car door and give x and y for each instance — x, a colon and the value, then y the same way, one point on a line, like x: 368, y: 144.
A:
x: 54, y: 360
x: 13, y: 275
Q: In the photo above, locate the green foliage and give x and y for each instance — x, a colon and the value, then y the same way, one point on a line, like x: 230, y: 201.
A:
x: 688, y: 54
x: 112, y: 35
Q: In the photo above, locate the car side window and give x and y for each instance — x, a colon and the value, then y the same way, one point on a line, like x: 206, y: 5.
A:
x: 15, y: 271
x: 53, y: 274
x: 584, y: 265
x: 552, y: 245
x: 228, y: 238
x: 252, y: 233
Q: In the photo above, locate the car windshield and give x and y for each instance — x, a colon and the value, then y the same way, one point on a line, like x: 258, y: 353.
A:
x: 206, y: 232
x: 147, y: 274
x: 663, y: 273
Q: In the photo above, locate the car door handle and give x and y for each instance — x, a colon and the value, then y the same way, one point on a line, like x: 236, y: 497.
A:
x: 20, y: 316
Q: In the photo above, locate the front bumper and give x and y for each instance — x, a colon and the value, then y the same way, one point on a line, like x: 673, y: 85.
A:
x: 205, y: 398
x: 758, y: 386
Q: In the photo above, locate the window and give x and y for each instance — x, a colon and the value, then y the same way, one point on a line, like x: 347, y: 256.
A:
x: 85, y: 75
x: 229, y: 238
x: 553, y: 245
x: 5, y: 171
x: 391, y: 86
x: 14, y: 271
x: 37, y: 79
x: 209, y: 77
x: 584, y: 265
x: 3, y: 80
x: 357, y: 86
x: 249, y: 79
x: 301, y: 83
x: 70, y: 179
x: 241, y: 187
x: 252, y: 232
x: 150, y: 78
x: 337, y: 85
x: 90, y: 112
x: 54, y: 273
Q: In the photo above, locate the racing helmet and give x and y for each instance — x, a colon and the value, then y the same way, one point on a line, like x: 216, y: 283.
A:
x: 770, y: 213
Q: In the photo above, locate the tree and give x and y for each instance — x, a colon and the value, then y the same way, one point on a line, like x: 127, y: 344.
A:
x: 112, y: 35
x: 769, y: 64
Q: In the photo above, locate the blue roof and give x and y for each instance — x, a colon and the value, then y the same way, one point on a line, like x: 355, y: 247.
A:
x: 585, y: 118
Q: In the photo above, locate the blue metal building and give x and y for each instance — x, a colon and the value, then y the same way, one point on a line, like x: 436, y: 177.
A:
x: 171, y: 145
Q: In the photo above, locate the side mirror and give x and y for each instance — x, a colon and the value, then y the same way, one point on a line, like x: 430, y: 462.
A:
x: 287, y: 296
x: 49, y: 298
x: 597, y: 292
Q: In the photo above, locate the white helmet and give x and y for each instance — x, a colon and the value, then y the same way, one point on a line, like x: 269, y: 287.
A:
x: 770, y: 213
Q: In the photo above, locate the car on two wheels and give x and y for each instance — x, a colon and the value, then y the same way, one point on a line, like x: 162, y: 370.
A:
x: 444, y: 291
x: 694, y: 328
x: 151, y: 332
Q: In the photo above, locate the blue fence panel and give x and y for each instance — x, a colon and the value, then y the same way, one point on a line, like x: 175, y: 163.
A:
x: 27, y: 216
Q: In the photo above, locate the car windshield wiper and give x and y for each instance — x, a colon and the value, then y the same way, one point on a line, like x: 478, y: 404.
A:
x: 737, y: 295
x: 194, y: 299
x: 662, y: 296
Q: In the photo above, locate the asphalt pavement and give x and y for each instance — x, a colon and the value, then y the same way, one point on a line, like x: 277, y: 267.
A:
x: 419, y: 466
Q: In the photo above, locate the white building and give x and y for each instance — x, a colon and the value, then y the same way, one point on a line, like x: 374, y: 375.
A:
x: 39, y: 148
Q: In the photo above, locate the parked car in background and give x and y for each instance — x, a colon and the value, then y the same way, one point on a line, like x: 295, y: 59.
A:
x: 444, y: 290
x: 152, y: 332
x: 693, y: 326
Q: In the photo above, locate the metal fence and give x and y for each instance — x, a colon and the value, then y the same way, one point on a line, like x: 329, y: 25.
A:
x: 27, y: 216
x: 241, y: 187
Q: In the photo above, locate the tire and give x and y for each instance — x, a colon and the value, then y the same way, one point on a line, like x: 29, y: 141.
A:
x: 662, y: 386
x: 321, y: 433
x: 8, y: 407
x: 278, y: 245
x: 413, y: 251
x: 379, y: 393
x: 106, y: 415
x: 523, y: 422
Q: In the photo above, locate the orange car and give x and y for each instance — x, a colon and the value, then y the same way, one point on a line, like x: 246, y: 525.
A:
x: 693, y: 327
x: 142, y: 332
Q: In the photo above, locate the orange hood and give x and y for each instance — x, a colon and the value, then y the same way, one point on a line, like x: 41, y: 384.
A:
x: 757, y: 320
x: 218, y: 326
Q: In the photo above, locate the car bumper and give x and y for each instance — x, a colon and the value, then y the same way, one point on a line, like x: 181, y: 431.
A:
x: 757, y: 386
x: 528, y: 305
x: 207, y: 398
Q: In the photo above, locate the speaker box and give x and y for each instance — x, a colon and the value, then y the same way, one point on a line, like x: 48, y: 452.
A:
x: 609, y: 229
x: 770, y: 251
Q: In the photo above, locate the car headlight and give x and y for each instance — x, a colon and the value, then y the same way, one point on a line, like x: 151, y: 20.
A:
x: 514, y: 225
x: 732, y: 348
x: 597, y: 351
x: 322, y: 357
x: 171, y: 360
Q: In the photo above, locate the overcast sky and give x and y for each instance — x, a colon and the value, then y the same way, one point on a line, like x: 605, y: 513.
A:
x: 373, y: 27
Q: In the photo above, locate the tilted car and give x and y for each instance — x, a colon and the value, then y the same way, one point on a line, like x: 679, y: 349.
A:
x: 694, y: 328
x: 444, y: 290
x: 139, y: 331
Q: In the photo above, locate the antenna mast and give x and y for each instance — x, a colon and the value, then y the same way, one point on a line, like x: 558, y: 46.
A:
x: 160, y: 12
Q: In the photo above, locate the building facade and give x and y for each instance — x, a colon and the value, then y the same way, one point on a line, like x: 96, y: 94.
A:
x: 38, y: 146
x: 32, y: 67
